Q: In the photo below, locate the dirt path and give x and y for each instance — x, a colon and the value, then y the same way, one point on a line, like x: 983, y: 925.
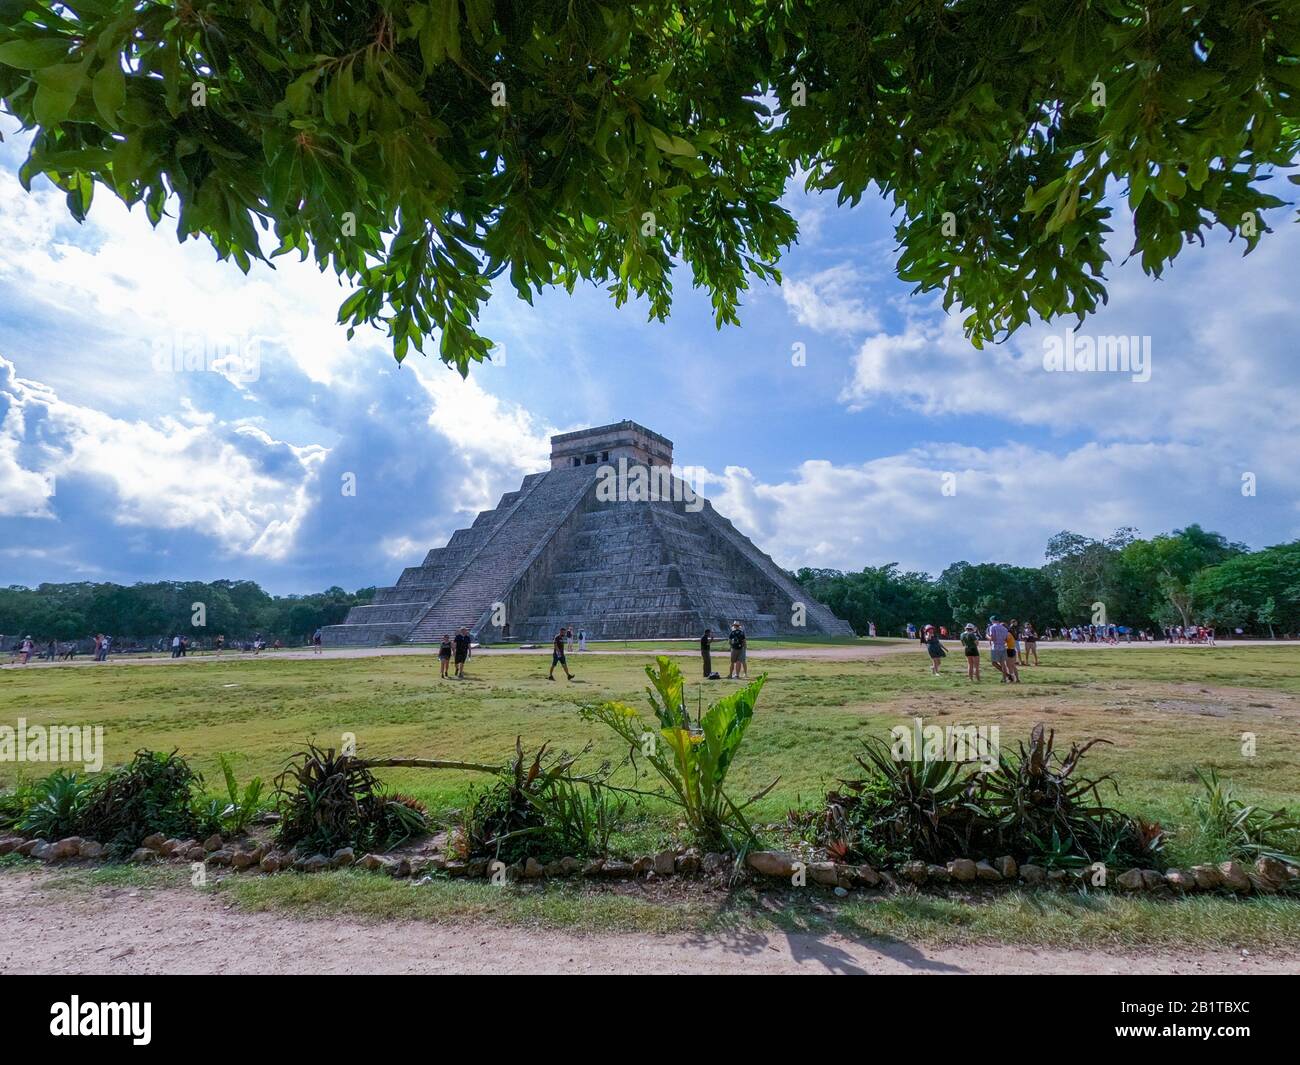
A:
x: 173, y: 930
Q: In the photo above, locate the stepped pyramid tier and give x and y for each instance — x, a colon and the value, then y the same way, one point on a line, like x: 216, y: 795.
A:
x: 608, y: 540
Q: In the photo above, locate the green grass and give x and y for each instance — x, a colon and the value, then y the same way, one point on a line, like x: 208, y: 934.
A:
x: 1166, y: 711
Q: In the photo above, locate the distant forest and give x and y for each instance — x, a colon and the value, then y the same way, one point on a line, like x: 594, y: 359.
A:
x: 145, y: 613
x: 1188, y: 577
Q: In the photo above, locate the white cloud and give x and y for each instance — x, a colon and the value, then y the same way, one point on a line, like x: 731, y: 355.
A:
x: 1008, y: 501
x: 831, y: 301
x: 231, y: 482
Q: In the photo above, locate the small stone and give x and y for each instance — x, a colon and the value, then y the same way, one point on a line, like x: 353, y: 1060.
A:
x: 313, y: 864
x: 242, y: 860
x: 915, y: 872
x: 169, y: 847
x: 665, y: 863
x: 212, y: 843
x: 614, y: 869
x: 342, y: 857
x: 399, y: 868
x: 196, y: 853
x: 1208, y: 877
x: 1058, y: 878
x: 593, y: 867
x: 1180, y: 880
x: 154, y: 841
x: 1033, y: 874
x: 688, y: 864
x: 143, y: 854
x: 772, y: 863
x: 569, y: 866
x: 90, y: 849
x: 69, y: 847
x: 271, y: 863
x: 866, y: 876
x: 25, y: 849
x: 824, y: 873
x: 221, y: 856
x: 985, y: 871
x: 938, y: 873
x: 1152, y: 879
x: 1270, y: 874
x: 1007, y: 867
x: 841, y: 893
x: 963, y: 869
x: 9, y: 844
x: 533, y: 869
x: 475, y: 868
x: 1234, y: 877
x: 1131, y: 880
x: 642, y: 865
x: 45, y: 852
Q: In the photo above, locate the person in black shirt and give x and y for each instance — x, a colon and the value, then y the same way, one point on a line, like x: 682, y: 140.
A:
x: 706, y: 642
x: 444, y: 655
x: 736, y: 638
x: 557, y: 657
x: 462, y: 651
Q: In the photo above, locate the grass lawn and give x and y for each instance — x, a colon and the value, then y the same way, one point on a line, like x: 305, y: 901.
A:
x: 1165, y: 710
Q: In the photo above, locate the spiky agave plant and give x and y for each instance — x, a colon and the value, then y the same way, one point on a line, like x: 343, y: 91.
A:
x: 329, y: 800
x: 1038, y: 805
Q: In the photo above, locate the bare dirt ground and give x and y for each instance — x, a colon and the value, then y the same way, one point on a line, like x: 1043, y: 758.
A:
x: 172, y: 930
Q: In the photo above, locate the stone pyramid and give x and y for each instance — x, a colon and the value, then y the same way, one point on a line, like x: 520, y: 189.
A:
x: 606, y: 540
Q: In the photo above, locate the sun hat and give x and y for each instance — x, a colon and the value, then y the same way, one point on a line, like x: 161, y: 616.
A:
x: 970, y: 627
x: 993, y: 617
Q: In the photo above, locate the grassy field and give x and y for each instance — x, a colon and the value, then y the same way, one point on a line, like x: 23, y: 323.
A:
x: 1165, y: 710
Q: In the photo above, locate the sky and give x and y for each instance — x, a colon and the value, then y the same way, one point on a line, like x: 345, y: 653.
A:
x: 890, y: 440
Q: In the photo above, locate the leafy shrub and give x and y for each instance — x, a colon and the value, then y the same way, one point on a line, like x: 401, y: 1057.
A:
x: 152, y: 793
x: 14, y: 804
x: 1033, y: 805
x: 54, y: 806
x: 1038, y: 808
x: 1241, y: 831
x: 330, y: 800
x: 241, y: 807
x: 537, y: 809
x: 693, y: 762
x: 902, y: 810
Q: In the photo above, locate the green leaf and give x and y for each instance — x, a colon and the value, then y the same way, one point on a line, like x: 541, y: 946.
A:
x: 109, y: 90
x: 673, y: 145
x: 33, y: 55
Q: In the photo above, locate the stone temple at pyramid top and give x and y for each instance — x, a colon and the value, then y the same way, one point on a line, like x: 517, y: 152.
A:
x: 608, y: 443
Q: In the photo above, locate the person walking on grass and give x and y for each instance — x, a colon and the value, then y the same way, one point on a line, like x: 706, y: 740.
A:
x: 461, y: 647
x: 997, y: 637
x: 26, y: 649
x: 316, y: 641
x: 582, y: 639
x: 934, y: 648
x: 970, y: 642
x: 557, y: 656
x: 1013, y: 668
x: 706, y: 652
x: 444, y: 656
x: 1030, y: 637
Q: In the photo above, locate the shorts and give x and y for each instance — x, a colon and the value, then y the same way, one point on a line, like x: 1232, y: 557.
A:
x: 998, y: 654
x: 1011, y: 652
x: 445, y: 657
x: 558, y: 660
x: 972, y: 654
x: 460, y: 659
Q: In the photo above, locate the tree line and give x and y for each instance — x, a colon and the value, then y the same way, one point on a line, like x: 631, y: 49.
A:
x: 147, y: 612
x: 1188, y: 577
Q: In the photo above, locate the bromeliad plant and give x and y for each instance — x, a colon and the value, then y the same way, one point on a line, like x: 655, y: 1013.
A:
x: 693, y: 761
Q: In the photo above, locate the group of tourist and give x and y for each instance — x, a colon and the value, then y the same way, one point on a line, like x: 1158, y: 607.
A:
x: 737, y: 642
x: 457, y: 646
x: 1011, y: 645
